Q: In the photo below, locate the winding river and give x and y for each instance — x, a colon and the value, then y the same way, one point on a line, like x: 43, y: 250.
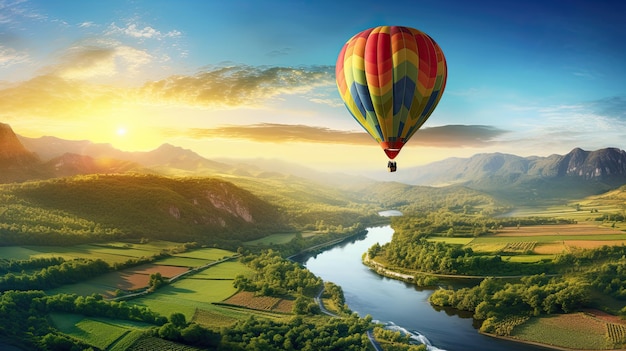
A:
x: 398, y: 304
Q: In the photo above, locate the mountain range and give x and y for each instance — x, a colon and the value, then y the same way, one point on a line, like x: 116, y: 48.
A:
x: 577, y: 173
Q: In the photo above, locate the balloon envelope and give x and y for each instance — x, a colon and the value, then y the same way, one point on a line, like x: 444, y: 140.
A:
x: 391, y: 79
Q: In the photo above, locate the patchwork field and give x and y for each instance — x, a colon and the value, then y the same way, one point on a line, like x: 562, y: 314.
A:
x: 113, y: 252
x: 247, y: 299
x: 577, y: 331
x: 106, y: 334
x: 135, y: 278
x: 194, y: 296
x: 533, y: 243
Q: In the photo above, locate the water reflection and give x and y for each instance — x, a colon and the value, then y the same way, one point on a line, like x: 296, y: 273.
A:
x: 400, y: 304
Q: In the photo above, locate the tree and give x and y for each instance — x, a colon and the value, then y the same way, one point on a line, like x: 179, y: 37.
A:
x: 178, y: 319
x: 169, y: 331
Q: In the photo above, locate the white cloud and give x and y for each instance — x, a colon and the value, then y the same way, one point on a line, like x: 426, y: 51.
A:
x: 9, y: 56
x: 84, y: 62
x: 147, y: 32
x: 86, y: 25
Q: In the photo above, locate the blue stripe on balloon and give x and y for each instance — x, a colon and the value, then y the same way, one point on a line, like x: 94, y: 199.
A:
x: 429, y: 105
x: 355, y: 97
x: 364, y: 95
x: 403, y: 91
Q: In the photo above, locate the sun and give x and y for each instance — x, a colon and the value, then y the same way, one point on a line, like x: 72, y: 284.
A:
x: 121, y: 131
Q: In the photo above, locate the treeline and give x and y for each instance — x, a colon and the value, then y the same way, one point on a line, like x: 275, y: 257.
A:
x: 419, y: 254
x: 461, y: 221
x: 494, y: 300
x: 420, y: 199
x: 56, y: 275
x: 56, y: 271
x: 27, y: 312
x: 610, y: 279
x: 11, y: 265
x: 276, y: 276
x: 106, y: 207
x: 299, y: 243
x: 298, y: 334
x: 83, y: 209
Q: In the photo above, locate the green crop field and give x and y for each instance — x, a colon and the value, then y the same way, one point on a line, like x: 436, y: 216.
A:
x: 451, y: 240
x: 98, y: 332
x: 183, y: 261
x: 527, y: 258
x: 575, y: 331
x: 224, y: 270
x: 272, y: 239
x: 112, y: 252
x: 211, y: 254
x: 17, y: 252
x: 186, y: 295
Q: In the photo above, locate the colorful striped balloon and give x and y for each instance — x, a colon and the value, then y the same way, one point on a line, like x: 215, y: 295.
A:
x: 391, y: 79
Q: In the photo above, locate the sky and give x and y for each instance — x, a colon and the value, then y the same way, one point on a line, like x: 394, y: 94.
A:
x: 256, y: 79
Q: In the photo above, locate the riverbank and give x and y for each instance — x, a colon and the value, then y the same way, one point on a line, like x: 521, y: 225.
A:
x: 549, y: 325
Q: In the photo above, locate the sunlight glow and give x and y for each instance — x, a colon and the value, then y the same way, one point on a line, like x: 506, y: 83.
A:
x: 121, y: 131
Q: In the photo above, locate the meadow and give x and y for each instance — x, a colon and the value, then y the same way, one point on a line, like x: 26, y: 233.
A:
x: 105, y: 334
x: 540, y: 242
x: 595, y: 223
x: 577, y: 331
x: 194, y: 296
x: 138, y: 277
x: 111, y: 252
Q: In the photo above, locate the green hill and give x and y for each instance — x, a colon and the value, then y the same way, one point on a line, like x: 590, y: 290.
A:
x: 222, y: 210
x: 105, y: 207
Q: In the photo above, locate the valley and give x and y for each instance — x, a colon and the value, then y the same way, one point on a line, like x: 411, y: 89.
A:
x: 193, y: 255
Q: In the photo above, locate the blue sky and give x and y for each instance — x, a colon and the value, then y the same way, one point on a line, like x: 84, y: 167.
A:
x: 249, y: 79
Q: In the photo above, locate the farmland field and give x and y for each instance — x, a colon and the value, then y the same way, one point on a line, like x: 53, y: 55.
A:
x: 575, y: 331
x: 247, y: 299
x: 212, y: 254
x: 153, y: 343
x: 224, y: 270
x: 98, y: 332
x: 272, y: 239
x: 587, y: 228
x: 127, y: 279
x: 184, y: 261
x: 200, y: 290
x: 186, y: 295
x: 112, y: 252
x: 534, y: 243
x: 214, y: 318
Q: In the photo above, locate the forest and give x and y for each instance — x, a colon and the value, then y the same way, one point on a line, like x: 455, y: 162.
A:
x: 210, y: 211
x: 511, y: 290
x: 28, y: 308
x: 203, y: 212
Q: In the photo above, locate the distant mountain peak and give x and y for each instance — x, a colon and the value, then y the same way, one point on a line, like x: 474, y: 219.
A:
x: 12, y: 152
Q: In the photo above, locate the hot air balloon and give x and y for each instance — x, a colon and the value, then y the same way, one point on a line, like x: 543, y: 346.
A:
x: 391, y: 79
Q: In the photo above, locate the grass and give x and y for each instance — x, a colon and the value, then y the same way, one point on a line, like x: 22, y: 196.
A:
x: 188, y: 294
x: 98, y: 332
x: 274, y: 239
x: 211, y: 254
x: 183, y: 261
x: 17, y: 252
x: 224, y: 270
x: 111, y: 252
x: 217, y: 317
x: 126, y: 341
x: 153, y: 343
x: 450, y: 240
x: 129, y: 279
x: 575, y: 331
x: 527, y: 258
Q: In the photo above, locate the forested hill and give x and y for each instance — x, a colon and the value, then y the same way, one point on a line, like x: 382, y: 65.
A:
x: 106, y: 207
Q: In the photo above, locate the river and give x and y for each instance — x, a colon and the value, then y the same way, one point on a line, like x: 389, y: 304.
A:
x: 398, y: 304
